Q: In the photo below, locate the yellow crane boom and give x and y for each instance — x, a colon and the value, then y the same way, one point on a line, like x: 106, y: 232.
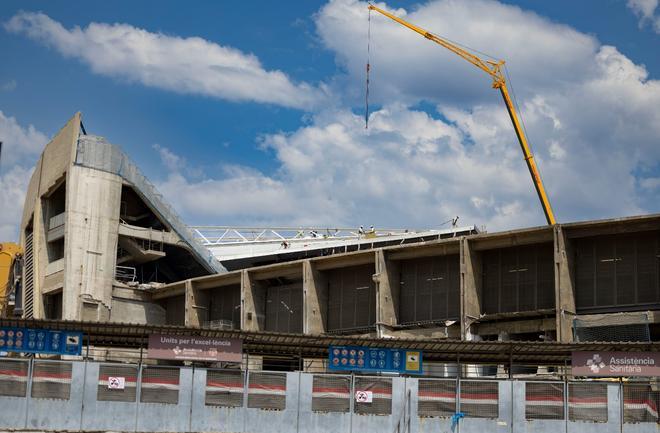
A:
x: 494, y: 70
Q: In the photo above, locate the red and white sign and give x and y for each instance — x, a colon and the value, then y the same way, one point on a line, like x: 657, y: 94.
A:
x: 364, y: 396
x: 116, y: 382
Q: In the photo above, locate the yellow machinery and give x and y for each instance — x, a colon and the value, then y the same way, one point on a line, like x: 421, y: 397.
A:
x: 494, y: 70
x: 10, y: 255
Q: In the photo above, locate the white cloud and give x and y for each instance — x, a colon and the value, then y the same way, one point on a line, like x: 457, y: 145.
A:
x: 20, y: 149
x: 184, y: 65
x: 591, y: 115
x: 20, y: 144
x: 646, y: 11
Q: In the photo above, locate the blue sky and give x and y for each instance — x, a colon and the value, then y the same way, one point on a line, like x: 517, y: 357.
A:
x: 250, y: 113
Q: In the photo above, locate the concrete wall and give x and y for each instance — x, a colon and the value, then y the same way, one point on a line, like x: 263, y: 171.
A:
x: 83, y: 411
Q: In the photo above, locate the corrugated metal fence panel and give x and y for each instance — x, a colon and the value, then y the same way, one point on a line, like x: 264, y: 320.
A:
x: 640, y: 403
x: 51, y: 380
x: 224, y: 388
x: 331, y: 393
x: 351, y: 298
x: 430, y: 289
x: 382, y: 395
x: 129, y: 373
x: 436, y: 398
x: 479, y: 399
x: 13, y: 377
x: 159, y: 385
x: 518, y: 279
x: 617, y: 270
x: 267, y: 391
x: 544, y: 400
x: 284, y: 308
x: 587, y: 402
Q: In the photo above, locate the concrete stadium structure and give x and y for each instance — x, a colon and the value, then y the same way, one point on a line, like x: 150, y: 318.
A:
x: 596, y: 280
x: 94, y: 231
x: 102, y: 245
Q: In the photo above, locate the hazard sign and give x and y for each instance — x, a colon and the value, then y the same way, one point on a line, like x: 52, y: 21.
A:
x: 364, y: 396
x: 116, y: 382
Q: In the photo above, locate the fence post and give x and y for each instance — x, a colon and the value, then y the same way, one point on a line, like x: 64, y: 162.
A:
x: 138, y: 391
x: 28, y: 390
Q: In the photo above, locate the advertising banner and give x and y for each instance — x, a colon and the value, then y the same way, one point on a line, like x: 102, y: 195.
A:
x: 189, y: 348
x: 616, y: 364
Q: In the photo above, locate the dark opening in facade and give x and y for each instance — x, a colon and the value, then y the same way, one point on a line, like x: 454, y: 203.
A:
x: 351, y: 298
x: 518, y: 279
x: 429, y: 289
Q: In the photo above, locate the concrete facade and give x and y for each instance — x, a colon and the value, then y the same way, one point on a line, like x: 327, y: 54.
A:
x: 97, y: 236
x: 541, y: 264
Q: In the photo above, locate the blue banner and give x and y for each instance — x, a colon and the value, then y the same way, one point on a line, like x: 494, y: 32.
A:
x: 26, y: 340
x: 369, y: 359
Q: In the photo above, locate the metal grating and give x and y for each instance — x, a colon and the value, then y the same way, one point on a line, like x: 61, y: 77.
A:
x: 13, y: 378
x: 430, y: 289
x: 436, y: 398
x: 331, y: 393
x: 617, y: 271
x: 224, y: 388
x: 51, y: 380
x: 544, y: 400
x: 518, y: 279
x: 267, y: 391
x: 479, y: 399
x: 351, y: 298
x: 640, y: 403
x: 587, y: 402
x: 225, y: 305
x: 284, y: 308
x: 28, y: 285
x: 382, y: 395
x: 129, y: 373
x: 159, y: 385
x: 634, y: 332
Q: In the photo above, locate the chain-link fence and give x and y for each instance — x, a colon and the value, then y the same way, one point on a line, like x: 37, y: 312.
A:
x: 117, y: 383
x: 51, y: 379
x: 376, y: 389
x: 267, y: 390
x: 14, y: 377
x: 159, y: 385
x: 331, y: 393
x: 544, y: 400
x: 225, y: 388
x: 640, y: 402
x: 436, y: 397
x: 587, y: 401
x: 479, y: 399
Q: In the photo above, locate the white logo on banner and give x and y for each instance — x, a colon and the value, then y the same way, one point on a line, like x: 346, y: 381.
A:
x: 116, y: 382
x: 364, y: 396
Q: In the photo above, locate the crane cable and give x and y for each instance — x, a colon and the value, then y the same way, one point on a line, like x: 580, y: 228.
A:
x: 366, y: 96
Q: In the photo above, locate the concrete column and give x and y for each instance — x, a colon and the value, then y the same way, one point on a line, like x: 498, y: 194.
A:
x: 253, y: 303
x: 564, y: 286
x: 197, y: 305
x: 387, y: 291
x: 471, y: 280
x: 315, y: 300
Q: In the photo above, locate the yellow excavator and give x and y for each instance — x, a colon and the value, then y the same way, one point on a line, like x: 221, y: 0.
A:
x: 10, y: 277
x: 494, y: 69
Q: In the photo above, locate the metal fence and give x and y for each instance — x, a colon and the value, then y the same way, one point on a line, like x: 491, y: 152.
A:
x: 123, y: 391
